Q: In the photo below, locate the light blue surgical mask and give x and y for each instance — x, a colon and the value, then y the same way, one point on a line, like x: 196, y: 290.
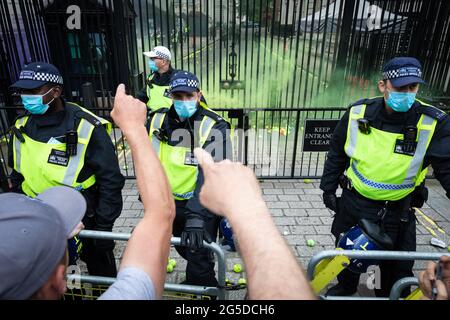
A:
x: 152, y: 65
x: 185, y: 109
x: 34, y: 103
x: 400, y: 101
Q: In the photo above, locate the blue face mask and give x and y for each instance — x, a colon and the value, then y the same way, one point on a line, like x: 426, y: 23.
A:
x: 185, y: 109
x: 34, y: 104
x: 400, y: 101
x: 152, y: 66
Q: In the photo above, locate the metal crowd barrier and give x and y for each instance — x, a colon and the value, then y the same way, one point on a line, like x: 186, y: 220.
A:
x: 182, y: 288
x: 400, y: 285
x: 377, y: 255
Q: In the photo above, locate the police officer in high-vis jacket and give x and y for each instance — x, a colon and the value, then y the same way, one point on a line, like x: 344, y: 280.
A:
x: 155, y: 94
x: 174, y: 133
x: 380, y: 151
x: 60, y: 143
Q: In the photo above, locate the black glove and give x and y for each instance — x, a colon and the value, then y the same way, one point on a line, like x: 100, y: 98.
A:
x: 194, y: 233
x: 331, y: 201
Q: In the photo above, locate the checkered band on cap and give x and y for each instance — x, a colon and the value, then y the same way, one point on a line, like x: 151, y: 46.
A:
x: 185, y: 83
x: 161, y: 55
x: 40, y: 76
x: 402, y: 72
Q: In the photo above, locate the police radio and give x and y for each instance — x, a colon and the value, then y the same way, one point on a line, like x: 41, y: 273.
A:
x: 364, y: 126
x: 409, y: 138
x: 71, y: 143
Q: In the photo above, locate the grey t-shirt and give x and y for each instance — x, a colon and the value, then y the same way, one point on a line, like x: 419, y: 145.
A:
x: 131, y: 284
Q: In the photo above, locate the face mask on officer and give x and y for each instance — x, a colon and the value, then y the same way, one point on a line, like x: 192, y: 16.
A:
x: 400, y: 101
x: 34, y: 103
x: 152, y: 65
x: 185, y: 108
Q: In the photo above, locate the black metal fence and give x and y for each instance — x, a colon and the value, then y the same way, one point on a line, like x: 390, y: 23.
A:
x: 276, y: 62
x: 247, y: 53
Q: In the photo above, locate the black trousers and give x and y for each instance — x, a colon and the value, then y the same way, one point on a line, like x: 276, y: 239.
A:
x: 352, y: 209
x: 100, y: 260
x: 200, y: 263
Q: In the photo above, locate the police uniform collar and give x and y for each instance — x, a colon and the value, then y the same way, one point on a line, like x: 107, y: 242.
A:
x: 395, y: 117
x: 51, y: 119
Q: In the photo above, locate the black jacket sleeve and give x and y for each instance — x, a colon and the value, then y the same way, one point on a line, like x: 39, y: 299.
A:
x: 219, y: 145
x: 337, y: 160
x: 438, y: 154
x: 102, y: 160
x: 142, y: 95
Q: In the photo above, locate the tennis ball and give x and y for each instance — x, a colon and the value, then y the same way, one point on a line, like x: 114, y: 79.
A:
x: 310, y: 243
x: 448, y: 248
x: 307, y: 180
x: 242, y: 282
x: 125, y: 167
x: 169, y: 268
x: 237, y: 268
x: 173, y: 262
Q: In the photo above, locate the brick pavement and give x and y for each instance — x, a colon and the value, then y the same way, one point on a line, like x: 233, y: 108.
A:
x: 299, y: 213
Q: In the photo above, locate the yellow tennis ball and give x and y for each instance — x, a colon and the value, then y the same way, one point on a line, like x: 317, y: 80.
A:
x: 173, y: 262
x: 242, y: 282
x: 169, y: 268
x: 237, y: 268
x: 311, y: 243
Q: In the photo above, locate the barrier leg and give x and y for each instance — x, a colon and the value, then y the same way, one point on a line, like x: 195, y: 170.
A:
x: 327, y: 270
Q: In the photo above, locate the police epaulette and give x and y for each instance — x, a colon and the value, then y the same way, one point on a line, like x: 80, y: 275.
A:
x: 161, y: 110
x: 89, y: 118
x: 432, y: 112
x: 365, y: 101
x: 212, y: 115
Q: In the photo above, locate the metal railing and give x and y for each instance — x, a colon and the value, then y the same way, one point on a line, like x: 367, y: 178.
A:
x: 400, y: 285
x: 372, y: 255
x: 198, y: 290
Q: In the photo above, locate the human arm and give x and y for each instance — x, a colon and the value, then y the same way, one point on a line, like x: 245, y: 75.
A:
x: 231, y: 190
x: 149, y: 245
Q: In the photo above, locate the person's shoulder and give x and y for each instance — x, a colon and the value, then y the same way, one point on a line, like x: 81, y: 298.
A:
x: 212, y: 114
x: 430, y: 110
x: 366, y: 101
x: 76, y: 111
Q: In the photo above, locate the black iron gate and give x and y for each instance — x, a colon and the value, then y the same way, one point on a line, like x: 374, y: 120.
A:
x: 288, y: 55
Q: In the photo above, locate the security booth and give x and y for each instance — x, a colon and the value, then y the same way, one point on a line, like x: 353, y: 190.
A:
x: 91, y: 43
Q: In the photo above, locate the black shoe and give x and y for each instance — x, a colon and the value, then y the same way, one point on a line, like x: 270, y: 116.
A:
x: 340, y: 290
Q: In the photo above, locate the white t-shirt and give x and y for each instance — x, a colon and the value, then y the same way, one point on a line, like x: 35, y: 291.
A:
x: 131, y: 284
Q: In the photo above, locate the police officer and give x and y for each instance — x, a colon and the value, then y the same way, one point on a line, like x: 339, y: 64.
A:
x: 155, y: 94
x: 384, y: 145
x: 174, y: 133
x: 59, y: 143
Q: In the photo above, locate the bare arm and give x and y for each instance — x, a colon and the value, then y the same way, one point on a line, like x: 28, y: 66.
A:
x: 231, y: 190
x: 149, y: 245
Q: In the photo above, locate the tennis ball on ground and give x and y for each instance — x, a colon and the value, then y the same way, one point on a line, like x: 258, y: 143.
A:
x: 307, y: 180
x: 310, y: 243
x: 237, y: 268
x: 173, y: 262
x: 169, y: 268
x: 242, y: 282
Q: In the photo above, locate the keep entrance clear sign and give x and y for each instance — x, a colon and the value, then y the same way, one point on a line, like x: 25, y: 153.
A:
x: 317, y: 136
